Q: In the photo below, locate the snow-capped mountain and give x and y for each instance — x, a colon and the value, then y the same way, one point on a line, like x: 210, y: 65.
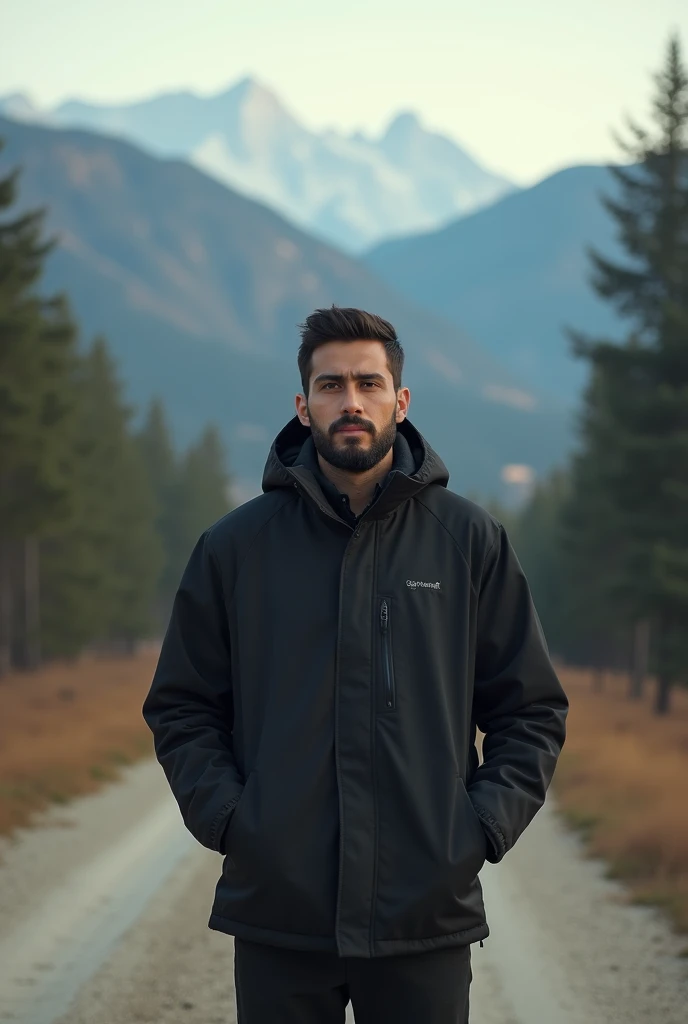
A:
x: 353, y: 190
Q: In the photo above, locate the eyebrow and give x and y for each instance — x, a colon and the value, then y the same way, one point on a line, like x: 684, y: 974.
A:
x: 339, y: 377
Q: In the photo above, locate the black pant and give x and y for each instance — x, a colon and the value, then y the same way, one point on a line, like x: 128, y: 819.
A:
x: 284, y: 986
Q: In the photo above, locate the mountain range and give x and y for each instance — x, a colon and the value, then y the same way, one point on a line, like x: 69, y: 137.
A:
x: 352, y: 190
x: 516, y: 275
x: 200, y: 289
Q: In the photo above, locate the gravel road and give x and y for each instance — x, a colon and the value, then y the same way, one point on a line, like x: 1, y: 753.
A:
x: 104, y: 907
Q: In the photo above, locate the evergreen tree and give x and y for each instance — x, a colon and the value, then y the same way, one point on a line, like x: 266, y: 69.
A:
x: 536, y: 536
x: 203, y: 494
x: 102, y: 569
x: 163, y: 475
x: 636, y: 446
x: 37, y: 355
x: 595, y: 536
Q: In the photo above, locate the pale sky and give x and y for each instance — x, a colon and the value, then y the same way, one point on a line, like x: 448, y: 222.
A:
x: 528, y: 86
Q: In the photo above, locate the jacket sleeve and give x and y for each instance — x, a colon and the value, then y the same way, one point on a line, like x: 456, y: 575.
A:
x: 519, y: 703
x: 189, y: 705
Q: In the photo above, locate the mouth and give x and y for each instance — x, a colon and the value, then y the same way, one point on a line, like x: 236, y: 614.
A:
x: 351, y: 430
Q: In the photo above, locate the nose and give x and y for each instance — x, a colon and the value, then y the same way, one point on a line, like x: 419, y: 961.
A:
x: 351, y: 400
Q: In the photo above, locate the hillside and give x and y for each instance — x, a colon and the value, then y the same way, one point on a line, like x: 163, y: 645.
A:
x: 349, y: 189
x: 515, y: 274
x: 200, y: 290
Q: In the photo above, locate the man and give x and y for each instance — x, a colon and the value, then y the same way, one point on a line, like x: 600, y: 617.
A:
x: 333, y: 645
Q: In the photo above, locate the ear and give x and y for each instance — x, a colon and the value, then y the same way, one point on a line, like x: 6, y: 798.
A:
x: 403, y: 402
x: 302, y: 410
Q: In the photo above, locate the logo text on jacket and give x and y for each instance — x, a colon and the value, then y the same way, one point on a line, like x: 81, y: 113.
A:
x: 414, y: 584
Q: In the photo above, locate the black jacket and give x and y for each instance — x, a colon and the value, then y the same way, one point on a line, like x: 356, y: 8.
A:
x: 315, y: 706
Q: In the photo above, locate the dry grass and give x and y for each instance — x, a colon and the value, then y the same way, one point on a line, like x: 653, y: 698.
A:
x: 622, y: 779
x: 69, y: 728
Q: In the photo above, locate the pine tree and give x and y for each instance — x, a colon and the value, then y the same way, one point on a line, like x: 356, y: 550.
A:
x: 536, y: 536
x: 203, y: 493
x: 637, y: 441
x: 595, y: 533
x: 191, y: 493
x: 162, y: 470
x: 102, y: 569
x: 37, y: 355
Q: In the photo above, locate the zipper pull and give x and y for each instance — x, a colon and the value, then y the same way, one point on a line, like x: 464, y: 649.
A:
x: 384, y: 616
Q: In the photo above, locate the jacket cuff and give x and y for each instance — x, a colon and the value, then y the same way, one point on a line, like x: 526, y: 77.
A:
x: 496, y: 841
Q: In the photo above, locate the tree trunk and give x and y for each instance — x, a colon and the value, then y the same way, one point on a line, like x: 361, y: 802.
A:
x: 663, y: 693
x: 641, y: 656
x: 32, y: 607
x: 5, y: 608
x: 598, y: 675
x: 130, y: 644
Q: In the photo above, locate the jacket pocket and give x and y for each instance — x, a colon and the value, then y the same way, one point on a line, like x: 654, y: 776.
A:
x: 474, y: 829
x: 430, y: 850
x: 389, y: 695
x: 234, y: 827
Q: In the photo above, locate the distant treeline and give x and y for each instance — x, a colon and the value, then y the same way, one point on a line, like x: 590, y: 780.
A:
x: 605, y: 543
x: 96, y: 519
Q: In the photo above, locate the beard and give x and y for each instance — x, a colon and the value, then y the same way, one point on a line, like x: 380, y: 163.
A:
x: 351, y: 456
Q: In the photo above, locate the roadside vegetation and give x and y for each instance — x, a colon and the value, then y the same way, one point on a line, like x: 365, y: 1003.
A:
x: 621, y: 780
x: 67, y: 729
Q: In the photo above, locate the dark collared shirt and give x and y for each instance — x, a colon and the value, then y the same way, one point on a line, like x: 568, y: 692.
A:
x: 403, y: 462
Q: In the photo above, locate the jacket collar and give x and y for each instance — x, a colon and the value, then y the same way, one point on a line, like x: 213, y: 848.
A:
x: 287, y: 465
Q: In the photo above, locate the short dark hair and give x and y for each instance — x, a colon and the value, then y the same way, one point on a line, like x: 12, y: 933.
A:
x: 347, y: 324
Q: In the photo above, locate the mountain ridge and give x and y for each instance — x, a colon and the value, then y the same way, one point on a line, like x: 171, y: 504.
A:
x: 351, y: 189
x: 200, y: 290
x: 529, y: 249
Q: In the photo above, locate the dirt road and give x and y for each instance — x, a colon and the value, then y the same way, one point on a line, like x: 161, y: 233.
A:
x: 104, y: 909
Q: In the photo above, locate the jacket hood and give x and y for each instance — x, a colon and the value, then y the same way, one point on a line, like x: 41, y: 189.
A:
x: 282, y: 468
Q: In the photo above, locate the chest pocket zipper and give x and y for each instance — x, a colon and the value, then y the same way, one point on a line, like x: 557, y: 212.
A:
x: 387, y: 665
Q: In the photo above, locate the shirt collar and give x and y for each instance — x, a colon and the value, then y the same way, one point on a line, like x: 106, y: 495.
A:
x: 402, y: 462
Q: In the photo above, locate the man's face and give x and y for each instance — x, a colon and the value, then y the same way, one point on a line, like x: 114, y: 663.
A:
x: 352, y: 406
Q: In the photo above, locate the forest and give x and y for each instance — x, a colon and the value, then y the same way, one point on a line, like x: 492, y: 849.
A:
x: 97, y: 517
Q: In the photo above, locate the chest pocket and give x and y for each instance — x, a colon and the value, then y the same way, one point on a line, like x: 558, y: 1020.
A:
x: 386, y: 658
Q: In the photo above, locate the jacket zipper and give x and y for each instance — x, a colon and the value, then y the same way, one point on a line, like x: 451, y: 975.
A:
x: 390, y: 696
